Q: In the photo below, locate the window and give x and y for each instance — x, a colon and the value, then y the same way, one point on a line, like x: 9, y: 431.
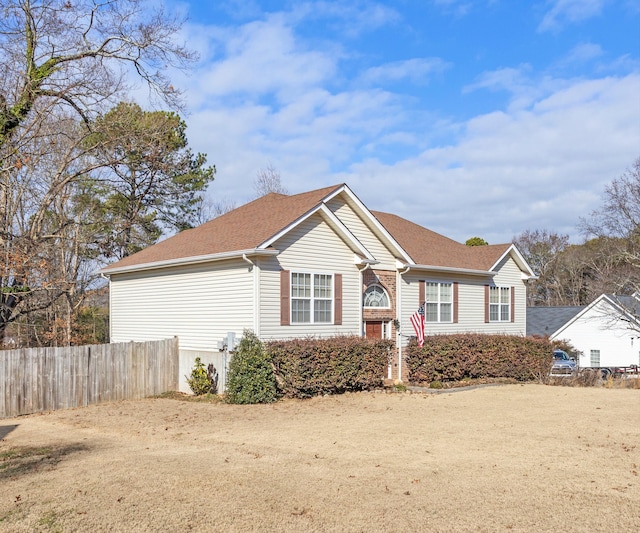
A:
x: 311, y: 298
x: 375, y: 296
x: 439, y: 302
x: 595, y: 358
x: 499, y: 304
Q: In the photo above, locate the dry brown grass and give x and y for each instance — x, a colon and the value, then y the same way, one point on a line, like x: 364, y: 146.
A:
x: 595, y: 379
x: 500, y: 458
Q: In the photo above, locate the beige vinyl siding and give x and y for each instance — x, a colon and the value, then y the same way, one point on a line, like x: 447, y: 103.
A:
x: 363, y: 233
x: 311, y: 247
x: 510, y: 275
x: 199, y: 304
x: 470, y: 302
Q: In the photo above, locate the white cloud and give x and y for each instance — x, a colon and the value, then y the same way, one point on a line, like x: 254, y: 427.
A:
x: 265, y: 96
x: 262, y: 57
x: 583, y: 53
x: 511, y: 171
x: 570, y: 11
x: 349, y: 18
x: 417, y: 70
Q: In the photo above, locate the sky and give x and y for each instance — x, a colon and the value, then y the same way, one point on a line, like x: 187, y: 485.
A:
x: 469, y: 117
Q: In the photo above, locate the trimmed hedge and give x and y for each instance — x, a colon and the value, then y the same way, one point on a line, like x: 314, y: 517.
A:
x: 456, y: 357
x: 309, y: 367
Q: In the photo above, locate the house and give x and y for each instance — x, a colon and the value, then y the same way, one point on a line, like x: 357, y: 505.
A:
x: 318, y: 264
x: 605, y: 332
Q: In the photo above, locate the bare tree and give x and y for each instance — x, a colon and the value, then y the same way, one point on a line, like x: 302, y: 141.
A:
x: 207, y: 209
x: 268, y: 180
x: 542, y: 249
x: 617, y: 223
x: 60, y: 61
x: 77, y: 53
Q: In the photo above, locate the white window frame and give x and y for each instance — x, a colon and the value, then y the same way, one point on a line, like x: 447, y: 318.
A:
x: 501, y: 309
x: 382, y: 290
x: 440, y: 303
x: 594, y: 358
x: 312, y: 298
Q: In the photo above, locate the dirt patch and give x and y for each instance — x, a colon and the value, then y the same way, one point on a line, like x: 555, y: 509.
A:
x: 513, y: 457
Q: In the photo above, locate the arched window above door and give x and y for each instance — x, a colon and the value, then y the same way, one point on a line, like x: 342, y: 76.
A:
x: 375, y: 296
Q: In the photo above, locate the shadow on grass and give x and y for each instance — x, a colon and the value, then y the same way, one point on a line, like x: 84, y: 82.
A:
x: 5, y: 430
x: 24, y: 460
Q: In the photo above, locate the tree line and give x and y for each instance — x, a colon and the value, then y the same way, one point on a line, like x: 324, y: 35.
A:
x: 86, y: 176
x: 608, y: 261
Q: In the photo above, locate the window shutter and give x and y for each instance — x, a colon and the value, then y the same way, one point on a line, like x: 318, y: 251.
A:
x: 455, y: 302
x: 422, y: 292
x: 513, y: 304
x: 337, y: 299
x: 486, y: 303
x: 285, y: 302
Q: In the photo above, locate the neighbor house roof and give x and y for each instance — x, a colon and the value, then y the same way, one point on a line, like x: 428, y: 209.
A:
x: 545, y: 321
x: 253, y: 227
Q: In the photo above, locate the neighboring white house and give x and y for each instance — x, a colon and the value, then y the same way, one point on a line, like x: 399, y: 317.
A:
x: 606, y: 332
x: 313, y: 264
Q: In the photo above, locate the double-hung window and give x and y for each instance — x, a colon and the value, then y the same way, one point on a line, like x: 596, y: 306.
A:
x: 311, y: 298
x: 499, y: 304
x: 439, y: 302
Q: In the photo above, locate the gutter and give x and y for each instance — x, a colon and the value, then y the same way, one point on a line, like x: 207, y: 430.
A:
x: 238, y: 254
x: 454, y: 270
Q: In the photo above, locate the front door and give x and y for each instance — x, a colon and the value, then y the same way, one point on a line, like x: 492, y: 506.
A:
x: 373, y: 330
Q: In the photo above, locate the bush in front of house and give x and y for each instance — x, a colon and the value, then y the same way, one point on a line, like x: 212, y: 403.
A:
x: 200, y: 381
x: 477, y: 356
x: 250, y: 377
x: 309, y: 367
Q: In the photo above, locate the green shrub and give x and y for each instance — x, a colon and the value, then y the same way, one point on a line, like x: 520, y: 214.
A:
x: 200, y: 381
x: 250, y: 378
x: 309, y: 367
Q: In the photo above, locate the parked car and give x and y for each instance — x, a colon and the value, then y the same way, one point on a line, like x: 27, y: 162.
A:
x: 563, y: 365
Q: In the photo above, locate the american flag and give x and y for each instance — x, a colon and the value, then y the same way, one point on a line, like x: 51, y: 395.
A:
x: 417, y: 321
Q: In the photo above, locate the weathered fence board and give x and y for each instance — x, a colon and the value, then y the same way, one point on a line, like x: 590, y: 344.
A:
x: 45, y: 379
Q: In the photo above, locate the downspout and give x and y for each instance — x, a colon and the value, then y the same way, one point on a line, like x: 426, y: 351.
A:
x: 108, y: 278
x: 361, y: 320
x: 399, y: 317
x: 256, y: 293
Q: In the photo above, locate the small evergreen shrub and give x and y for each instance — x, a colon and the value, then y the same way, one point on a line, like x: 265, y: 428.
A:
x: 201, y: 381
x: 250, y: 378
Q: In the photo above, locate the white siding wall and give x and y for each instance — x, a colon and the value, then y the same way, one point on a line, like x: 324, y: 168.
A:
x: 369, y: 240
x: 311, y: 247
x: 471, y: 302
x: 199, y: 304
x: 594, y: 331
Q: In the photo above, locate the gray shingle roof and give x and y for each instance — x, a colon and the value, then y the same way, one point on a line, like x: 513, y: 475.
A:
x: 544, y: 321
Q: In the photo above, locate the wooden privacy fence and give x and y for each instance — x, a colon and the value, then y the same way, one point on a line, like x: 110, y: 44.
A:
x: 44, y: 379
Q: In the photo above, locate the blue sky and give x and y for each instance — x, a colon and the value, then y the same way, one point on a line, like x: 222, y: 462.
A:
x: 472, y: 118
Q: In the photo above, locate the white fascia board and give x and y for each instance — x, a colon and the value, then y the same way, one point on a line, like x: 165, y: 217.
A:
x: 374, y: 221
x: 580, y: 314
x: 449, y: 270
x: 188, y: 261
x: 333, y: 220
x: 346, y: 233
x: 522, y: 263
